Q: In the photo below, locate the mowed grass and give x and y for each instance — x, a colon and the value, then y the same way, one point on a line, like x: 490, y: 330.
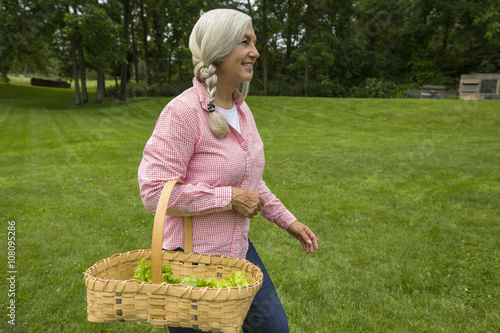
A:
x: 404, y: 196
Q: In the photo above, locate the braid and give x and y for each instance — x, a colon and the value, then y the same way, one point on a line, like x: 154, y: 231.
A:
x: 208, y: 75
x: 216, y: 121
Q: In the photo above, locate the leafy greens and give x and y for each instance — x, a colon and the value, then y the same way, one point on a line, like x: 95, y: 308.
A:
x: 236, y: 279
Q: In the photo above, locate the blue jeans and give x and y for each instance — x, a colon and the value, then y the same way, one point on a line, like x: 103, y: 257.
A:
x: 266, y: 314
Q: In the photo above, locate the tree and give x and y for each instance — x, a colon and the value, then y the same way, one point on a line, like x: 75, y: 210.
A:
x: 145, y: 33
x: 488, y: 21
x: 307, y: 47
x: 264, y: 44
x: 73, y: 31
x: 26, y: 28
x: 101, y: 40
x: 126, y: 19
x: 159, y: 24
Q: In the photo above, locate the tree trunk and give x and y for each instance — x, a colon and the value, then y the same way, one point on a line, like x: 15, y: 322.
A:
x: 101, y: 87
x: 308, y: 27
x: 76, y: 77
x: 145, y: 42
x: 169, y: 66
x: 179, y: 62
x: 306, y: 76
x: 249, y: 6
x: 85, y: 97
x: 264, y: 45
x: 160, y: 68
x: 134, y: 52
x: 124, y: 66
x: 289, y: 33
x: 447, y: 25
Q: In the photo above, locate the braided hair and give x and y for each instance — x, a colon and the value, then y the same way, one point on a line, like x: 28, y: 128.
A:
x: 213, y: 38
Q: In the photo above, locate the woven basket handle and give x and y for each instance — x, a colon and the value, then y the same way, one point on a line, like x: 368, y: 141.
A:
x: 159, y: 224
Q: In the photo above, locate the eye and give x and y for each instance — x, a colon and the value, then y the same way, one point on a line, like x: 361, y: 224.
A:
x: 244, y: 42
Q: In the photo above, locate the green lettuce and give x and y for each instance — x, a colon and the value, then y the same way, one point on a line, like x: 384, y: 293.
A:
x: 236, y: 279
x: 143, y: 273
x: 191, y: 280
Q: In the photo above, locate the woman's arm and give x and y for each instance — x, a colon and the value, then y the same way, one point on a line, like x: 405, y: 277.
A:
x: 276, y: 212
x: 166, y: 156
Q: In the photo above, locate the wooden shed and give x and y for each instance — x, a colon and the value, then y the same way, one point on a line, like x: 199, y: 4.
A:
x: 480, y: 86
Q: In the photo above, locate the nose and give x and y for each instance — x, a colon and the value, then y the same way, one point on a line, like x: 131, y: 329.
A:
x: 254, y: 54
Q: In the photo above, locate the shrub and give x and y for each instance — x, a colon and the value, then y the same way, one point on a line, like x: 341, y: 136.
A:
x: 374, y: 88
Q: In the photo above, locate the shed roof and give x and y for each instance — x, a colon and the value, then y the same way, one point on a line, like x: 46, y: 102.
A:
x: 481, y: 76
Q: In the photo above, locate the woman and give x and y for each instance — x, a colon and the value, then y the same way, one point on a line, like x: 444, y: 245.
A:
x: 207, y: 137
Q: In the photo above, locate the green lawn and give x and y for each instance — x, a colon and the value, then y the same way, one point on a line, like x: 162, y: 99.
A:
x: 404, y: 196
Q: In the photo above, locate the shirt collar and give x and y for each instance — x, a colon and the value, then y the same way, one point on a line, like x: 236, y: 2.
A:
x: 202, y: 93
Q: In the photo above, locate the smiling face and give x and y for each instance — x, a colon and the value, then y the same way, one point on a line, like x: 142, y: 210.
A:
x: 238, y: 66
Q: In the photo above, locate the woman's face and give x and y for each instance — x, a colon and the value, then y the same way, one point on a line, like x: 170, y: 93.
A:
x: 238, y: 67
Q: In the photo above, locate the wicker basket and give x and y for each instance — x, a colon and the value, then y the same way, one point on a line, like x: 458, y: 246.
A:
x: 113, y: 295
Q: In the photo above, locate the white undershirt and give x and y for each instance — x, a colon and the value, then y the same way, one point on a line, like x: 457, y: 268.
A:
x: 231, y: 117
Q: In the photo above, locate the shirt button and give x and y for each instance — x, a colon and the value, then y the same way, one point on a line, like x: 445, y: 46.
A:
x: 224, y: 202
x: 245, y: 181
x: 238, y: 227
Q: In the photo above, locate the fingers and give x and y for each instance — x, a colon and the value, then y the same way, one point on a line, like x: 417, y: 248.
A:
x: 251, y: 210
x: 312, y: 241
x: 305, y: 235
x: 308, y: 246
x: 246, y: 202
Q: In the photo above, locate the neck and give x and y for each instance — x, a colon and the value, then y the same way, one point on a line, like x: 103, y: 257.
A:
x: 224, y: 96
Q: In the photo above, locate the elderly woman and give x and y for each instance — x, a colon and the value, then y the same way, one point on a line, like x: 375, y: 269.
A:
x: 207, y: 137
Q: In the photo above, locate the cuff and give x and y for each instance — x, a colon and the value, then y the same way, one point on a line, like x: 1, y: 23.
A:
x: 286, y: 220
x: 223, y: 197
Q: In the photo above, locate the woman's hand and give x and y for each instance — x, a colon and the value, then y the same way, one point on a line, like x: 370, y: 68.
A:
x: 246, y: 202
x: 306, y: 237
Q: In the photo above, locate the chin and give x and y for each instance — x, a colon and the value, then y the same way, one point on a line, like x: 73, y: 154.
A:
x: 248, y: 77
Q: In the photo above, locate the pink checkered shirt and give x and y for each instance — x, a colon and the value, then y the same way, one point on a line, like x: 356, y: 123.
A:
x: 182, y: 146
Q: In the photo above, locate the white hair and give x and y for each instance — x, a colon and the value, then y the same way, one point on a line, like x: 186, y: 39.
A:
x: 214, y: 36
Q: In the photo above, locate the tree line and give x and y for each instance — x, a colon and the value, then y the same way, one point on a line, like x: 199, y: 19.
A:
x: 336, y: 48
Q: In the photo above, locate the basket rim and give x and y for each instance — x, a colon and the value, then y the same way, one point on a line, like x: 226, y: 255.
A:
x: 90, y: 279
